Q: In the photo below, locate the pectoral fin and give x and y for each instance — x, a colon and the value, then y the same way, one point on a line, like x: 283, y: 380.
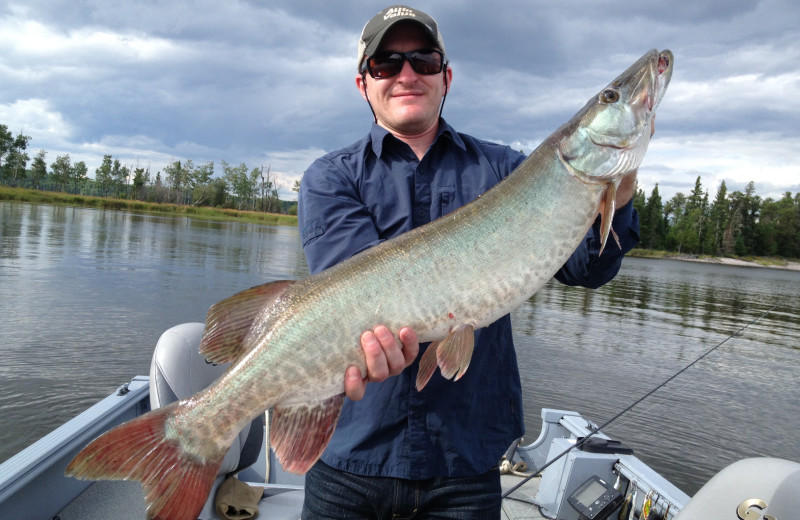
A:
x: 427, y: 365
x: 452, y: 355
x: 299, y: 433
x: 607, y: 215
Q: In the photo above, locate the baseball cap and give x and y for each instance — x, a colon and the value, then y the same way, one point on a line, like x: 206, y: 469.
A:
x: 379, y: 25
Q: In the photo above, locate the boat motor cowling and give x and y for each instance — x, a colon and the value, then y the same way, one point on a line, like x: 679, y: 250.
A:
x: 750, y: 489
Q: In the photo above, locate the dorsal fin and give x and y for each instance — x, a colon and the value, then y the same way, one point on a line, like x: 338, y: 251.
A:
x: 229, y: 320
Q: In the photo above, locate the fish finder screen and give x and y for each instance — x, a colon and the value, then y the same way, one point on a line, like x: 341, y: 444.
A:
x: 591, y: 492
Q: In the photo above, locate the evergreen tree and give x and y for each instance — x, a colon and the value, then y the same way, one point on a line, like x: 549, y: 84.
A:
x: 749, y: 208
x: 675, y: 213
x: 653, y: 224
x: 717, y: 221
x: 786, y: 226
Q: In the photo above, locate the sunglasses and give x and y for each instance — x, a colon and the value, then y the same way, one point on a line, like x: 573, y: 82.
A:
x: 389, y: 64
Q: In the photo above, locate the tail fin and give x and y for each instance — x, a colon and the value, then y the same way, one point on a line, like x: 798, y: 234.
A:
x: 175, y: 484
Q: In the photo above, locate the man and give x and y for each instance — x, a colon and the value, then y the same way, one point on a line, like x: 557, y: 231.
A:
x: 396, y: 452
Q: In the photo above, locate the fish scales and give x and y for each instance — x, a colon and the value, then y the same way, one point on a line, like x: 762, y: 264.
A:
x: 445, y: 279
x: 421, y: 294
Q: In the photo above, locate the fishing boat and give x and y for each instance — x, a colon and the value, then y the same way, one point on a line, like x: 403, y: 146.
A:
x: 572, y: 471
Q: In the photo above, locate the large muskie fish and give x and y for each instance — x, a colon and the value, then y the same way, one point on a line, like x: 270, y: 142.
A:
x: 291, y: 342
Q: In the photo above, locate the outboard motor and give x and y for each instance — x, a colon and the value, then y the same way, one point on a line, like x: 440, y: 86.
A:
x: 750, y: 489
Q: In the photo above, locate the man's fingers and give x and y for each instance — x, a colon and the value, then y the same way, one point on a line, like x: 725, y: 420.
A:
x: 375, y: 357
x: 354, y: 385
x: 384, y: 355
x: 392, y: 349
x: 410, y: 345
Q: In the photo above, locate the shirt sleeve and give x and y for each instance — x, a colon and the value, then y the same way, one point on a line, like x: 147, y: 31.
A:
x: 587, y: 267
x: 334, y: 223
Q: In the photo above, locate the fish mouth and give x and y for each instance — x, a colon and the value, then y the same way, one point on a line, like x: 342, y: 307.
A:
x: 664, y: 61
x: 662, y: 73
x: 653, y: 83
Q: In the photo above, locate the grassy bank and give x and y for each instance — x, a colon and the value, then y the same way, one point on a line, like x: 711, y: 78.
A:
x: 50, y: 197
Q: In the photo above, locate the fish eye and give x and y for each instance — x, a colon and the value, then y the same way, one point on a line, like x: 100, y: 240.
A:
x: 609, y: 96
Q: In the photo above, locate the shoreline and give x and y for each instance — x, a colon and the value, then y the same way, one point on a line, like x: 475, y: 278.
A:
x: 232, y: 215
x: 789, y: 265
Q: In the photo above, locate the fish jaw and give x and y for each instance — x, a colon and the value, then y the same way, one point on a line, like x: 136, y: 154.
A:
x: 608, y: 138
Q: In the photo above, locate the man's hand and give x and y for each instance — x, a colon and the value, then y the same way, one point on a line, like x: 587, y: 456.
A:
x: 385, y: 357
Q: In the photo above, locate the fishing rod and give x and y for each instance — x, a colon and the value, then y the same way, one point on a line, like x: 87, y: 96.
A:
x: 594, y: 430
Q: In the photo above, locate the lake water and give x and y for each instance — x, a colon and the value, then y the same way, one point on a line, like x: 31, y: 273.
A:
x: 85, y: 294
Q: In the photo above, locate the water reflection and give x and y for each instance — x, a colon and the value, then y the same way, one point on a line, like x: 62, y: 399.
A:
x: 598, y: 351
x: 103, y: 238
x: 85, y: 293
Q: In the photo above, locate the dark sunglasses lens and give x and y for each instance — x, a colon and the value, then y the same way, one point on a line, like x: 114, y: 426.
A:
x: 390, y: 64
x: 426, y: 62
x: 385, y: 66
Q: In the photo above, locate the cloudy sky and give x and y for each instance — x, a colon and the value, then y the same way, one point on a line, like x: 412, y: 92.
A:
x: 272, y: 83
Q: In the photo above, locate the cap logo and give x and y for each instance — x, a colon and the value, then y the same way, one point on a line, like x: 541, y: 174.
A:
x: 394, y: 12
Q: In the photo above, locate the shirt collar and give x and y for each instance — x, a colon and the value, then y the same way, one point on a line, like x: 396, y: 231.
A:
x: 378, y: 136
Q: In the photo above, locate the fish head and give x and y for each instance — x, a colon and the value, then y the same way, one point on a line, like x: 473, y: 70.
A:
x: 609, y: 136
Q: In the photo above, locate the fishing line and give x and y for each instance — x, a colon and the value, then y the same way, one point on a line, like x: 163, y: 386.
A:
x: 594, y: 430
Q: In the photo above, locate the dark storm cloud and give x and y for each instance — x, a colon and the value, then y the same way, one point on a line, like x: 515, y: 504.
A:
x: 273, y: 82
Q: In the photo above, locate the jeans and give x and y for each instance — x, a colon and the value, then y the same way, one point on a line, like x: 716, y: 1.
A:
x: 331, y: 493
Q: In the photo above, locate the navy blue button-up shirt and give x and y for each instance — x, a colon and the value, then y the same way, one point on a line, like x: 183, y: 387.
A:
x: 373, y: 190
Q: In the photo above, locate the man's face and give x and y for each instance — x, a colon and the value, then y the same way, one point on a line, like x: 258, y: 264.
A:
x: 406, y: 104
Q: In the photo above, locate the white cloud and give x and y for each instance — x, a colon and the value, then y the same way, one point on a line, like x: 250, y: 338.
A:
x: 36, y: 117
x: 28, y: 41
x: 737, y: 157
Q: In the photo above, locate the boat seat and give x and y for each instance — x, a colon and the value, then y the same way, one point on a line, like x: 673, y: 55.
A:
x: 178, y: 371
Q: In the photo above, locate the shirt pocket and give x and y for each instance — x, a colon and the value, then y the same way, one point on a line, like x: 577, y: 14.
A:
x: 450, y: 199
x: 447, y: 200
